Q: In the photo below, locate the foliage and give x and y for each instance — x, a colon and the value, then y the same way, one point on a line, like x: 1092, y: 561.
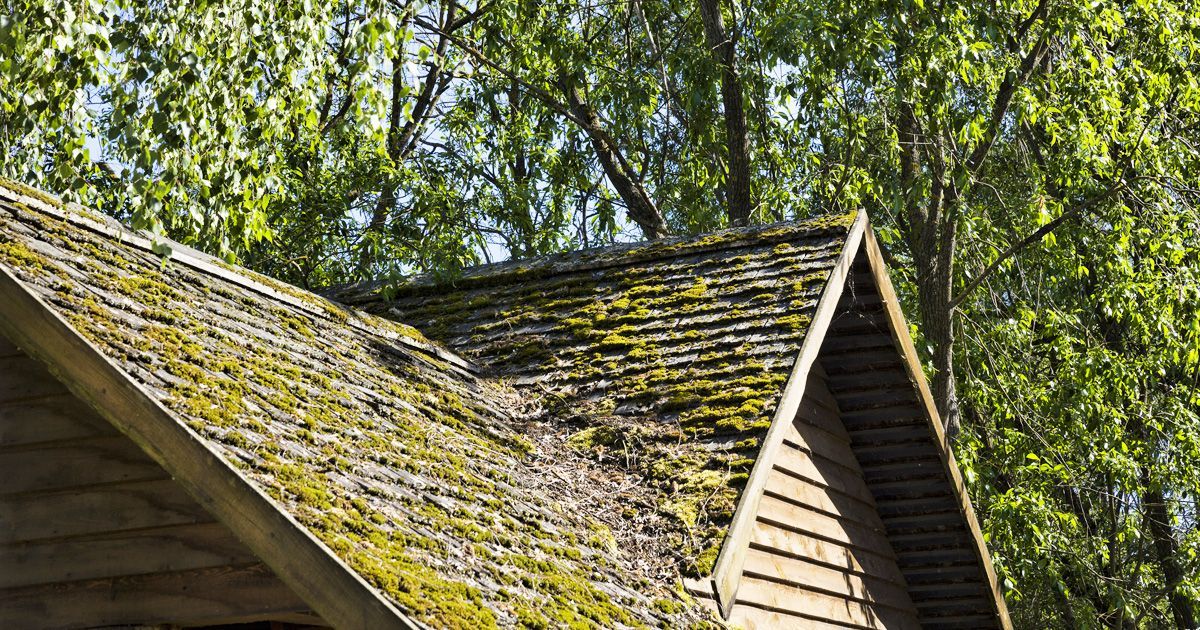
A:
x: 1027, y: 164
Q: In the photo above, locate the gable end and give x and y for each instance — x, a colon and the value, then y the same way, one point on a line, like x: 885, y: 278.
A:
x: 856, y: 495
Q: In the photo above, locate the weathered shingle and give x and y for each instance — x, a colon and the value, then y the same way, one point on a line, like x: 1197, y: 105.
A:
x: 432, y: 483
x: 670, y: 355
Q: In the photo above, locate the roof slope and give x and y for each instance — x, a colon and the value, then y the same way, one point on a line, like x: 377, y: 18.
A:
x: 386, y: 447
x: 671, y: 356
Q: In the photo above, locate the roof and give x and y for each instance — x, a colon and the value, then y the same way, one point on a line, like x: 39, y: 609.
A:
x: 578, y: 438
x: 677, y: 350
x: 404, y: 465
x: 685, y: 362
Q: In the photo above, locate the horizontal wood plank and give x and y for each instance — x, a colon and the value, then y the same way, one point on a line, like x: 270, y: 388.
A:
x: 73, y: 464
x: 863, y: 361
x: 940, y: 574
x: 819, y: 577
x: 949, y: 590
x: 203, y: 597
x: 754, y: 618
x: 113, y: 555
x: 781, y: 597
x: 817, y: 391
x: 947, y: 521
x: 925, y: 469
x: 815, y: 416
x: 8, y: 348
x: 21, y: 378
x: 876, y: 379
x: 106, y: 508
x: 874, y: 399
x: 796, y: 518
x: 849, y: 341
x: 871, y: 455
x: 828, y: 445
x: 916, y: 507
x: 815, y: 497
x: 782, y: 541
x: 823, y: 472
x: 49, y: 419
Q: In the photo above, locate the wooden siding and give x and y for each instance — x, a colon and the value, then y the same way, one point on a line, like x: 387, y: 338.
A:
x: 902, y: 466
x: 819, y: 556
x: 86, y: 517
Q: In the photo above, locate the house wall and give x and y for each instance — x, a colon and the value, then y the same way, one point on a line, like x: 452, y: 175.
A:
x: 818, y: 554
x: 95, y: 533
x: 905, y: 471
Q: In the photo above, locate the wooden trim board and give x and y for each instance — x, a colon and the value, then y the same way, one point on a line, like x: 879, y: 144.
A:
x: 727, y: 571
x: 912, y: 366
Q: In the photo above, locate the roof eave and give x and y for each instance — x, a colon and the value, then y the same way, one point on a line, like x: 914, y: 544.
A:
x: 337, y: 593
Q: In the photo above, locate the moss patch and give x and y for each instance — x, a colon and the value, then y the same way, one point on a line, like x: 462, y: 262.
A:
x: 391, y: 459
x: 690, y: 341
x: 31, y: 192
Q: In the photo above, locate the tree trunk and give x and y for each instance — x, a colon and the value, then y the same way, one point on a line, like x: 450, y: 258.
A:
x: 934, y: 259
x: 737, y: 178
x: 1158, y: 521
x: 642, y: 210
x: 931, y: 231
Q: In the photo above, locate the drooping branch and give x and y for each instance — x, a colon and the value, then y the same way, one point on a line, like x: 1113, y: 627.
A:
x: 641, y: 207
x: 620, y: 173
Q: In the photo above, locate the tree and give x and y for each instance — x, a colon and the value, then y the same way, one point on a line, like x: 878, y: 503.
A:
x: 1012, y: 150
x: 1027, y: 163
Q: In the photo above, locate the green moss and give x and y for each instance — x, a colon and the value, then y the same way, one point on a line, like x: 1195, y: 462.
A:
x: 693, y: 494
x: 289, y: 320
x: 706, y: 560
x: 616, y: 341
x: 16, y: 254
x: 30, y: 191
x: 794, y: 322
x: 669, y: 606
x: 594, y: 437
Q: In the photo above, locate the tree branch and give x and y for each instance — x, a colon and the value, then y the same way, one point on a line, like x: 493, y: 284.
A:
x: 1036, y: 236
x: 1008, y: 89
x: 546, y: 97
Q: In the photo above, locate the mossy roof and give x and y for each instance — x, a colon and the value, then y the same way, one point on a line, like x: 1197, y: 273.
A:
x: 440, y: 487
x: 664, y: 360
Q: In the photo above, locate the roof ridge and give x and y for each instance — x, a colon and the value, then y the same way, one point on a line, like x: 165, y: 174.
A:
x: 309, y: 302
x: 610, y: 256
